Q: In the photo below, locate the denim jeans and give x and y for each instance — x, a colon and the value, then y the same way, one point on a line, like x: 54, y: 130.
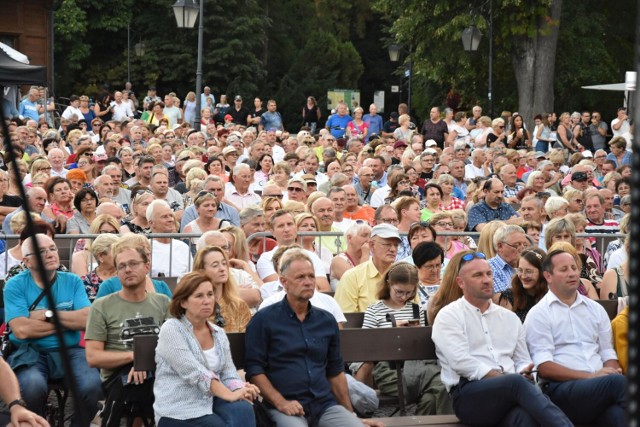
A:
x: 34, y: 383
x: 542, y: 146
x: 225, y: 414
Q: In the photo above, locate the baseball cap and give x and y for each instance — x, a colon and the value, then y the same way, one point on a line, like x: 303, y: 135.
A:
x: 399, y: 144
x: 430, y: 143
x: 394, y: 115
x: 540, y: 155
x: 385, y: 231
x: 229, y: 149
x: 587, y: 153
x: 430, y: 151
x: 308, y: 178
x: 228, y: 117
x: 100, y: 157
x: 579, y: 176
x: 238, y: 98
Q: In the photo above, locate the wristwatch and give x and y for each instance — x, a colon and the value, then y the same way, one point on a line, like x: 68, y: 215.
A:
x: 18, y: 402
x: 48, y: 316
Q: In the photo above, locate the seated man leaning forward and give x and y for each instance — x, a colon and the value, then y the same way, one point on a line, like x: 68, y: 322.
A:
x: 114, y: 320
x: 37, y: 360
x: 293, y: 355
x: 571, y: 343
x: 484, y: 358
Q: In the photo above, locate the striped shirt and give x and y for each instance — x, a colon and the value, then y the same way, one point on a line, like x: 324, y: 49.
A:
x: 375, y: 316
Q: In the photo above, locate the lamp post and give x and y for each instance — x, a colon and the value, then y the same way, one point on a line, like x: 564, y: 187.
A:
x: 186, y: 12
x: 394, y: 56
x: 471, y: 37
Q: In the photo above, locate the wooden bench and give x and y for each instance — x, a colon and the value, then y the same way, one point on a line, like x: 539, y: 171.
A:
x: 354, y: 320
x: 610, y: 306
x: 400, y: 344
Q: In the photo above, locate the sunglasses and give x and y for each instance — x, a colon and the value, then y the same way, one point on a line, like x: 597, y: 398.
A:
x: 470, y: 256
x: 87, y: 154
x: 295, y: 189
x: 277, y: 196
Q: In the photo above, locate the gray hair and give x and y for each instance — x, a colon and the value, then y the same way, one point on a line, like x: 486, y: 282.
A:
x: 543, y: 164
x: 202, y: 241
x: 111, y: 167
x: 249, y: 213
x: 240, y: 167
x: 355, y: 229
x: 505, y: 231
x: 289, y: 257
x: 151, y: 209
x: 554, y: 204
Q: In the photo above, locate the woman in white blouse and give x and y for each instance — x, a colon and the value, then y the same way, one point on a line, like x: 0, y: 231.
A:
x: 196, y: 380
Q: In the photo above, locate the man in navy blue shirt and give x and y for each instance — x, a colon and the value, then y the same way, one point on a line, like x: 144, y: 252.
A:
x: 293, y: 355
x: 492, y: 207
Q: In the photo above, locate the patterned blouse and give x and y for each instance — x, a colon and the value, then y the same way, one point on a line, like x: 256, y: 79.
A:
x: 455, y: 204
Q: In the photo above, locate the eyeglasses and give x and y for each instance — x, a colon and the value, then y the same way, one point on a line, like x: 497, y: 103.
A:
x: 45, y: 251
x: 170, y: 136
x: 525, y: 272
x: 403, y: 294
x: 87, y: 153
x: 295, y: 189
x: 433, y: 267
x: 277, y: 196
x: 131, y: 264
x: 444, y: 224
x: 517, y: 246
x: 578, y: 201
x: 501, y: 127
x: 44, y: 169
x: 404, y: 182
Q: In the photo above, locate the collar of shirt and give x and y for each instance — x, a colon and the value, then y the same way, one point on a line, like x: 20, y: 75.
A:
x: 552, y: 298
x: 371, y: 271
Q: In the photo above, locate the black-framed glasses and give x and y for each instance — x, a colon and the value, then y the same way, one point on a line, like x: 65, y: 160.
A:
x: 517, y: 246
x: 295, y: 189
x: 277, y: 196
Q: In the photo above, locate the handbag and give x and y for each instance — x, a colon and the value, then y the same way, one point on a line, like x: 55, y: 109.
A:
x: 260, y: 412
x: 6, y: 346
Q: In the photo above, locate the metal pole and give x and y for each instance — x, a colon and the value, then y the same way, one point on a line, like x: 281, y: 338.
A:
x: 490, y: 94
x: 199, y: 69
x: 128, y: 53
x: 634, y: 262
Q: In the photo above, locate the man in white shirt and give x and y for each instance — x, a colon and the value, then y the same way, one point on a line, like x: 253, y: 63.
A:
x: 620, y: 126
x: 479, y: 166
x: 285, y: 232
x: 169, y: 257
x: 485, y: 363
x: 56, y: 158
x: 171, y: 111
x: 570, y: 340
x: 121, y: 110
x: 73, y: 109
x: 239, y: 194
x: 382, y: 192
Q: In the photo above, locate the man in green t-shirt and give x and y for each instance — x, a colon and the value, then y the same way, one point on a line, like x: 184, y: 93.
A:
x: 115, y: 319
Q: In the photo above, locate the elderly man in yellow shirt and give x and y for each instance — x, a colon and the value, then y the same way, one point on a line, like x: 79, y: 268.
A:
x: 357, y: 287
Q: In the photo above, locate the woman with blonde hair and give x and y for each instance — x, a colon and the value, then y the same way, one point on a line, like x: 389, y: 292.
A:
x: 189, y: 108
x: 206, y: 205
x: 294, y: 207
x: 448, y: 203
x: 39, y: 165
x: 442, y: 222
x: 449, y: 290
x: 105, y: 269
x: 269, y: 205
x: 357, y: 127
x: 308, y: 222
x: 141, y: 198
x: 403, y: 132
x: 194, y: 181
x: 485, y: 241
x: 232, y: 313
x: 82, y: 258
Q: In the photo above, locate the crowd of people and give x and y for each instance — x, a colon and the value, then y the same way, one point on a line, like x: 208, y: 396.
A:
x: 470, y: 224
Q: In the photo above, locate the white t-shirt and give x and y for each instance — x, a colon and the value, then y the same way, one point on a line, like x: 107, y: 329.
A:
x: 265, y: 264
x: 470, y: 171
x: 318, y: 300
x: 171, y: 259
x: 174, y: 114
x: 617, y: 258
x: 377, y: 199
x: 624, y: 131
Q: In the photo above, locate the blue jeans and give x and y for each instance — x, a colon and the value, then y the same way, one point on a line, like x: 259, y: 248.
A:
x: 225, y: 414
x: 33, y: 383
x: 542, y: 146
x: 600, y: 401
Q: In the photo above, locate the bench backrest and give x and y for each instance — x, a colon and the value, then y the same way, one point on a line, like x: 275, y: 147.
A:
x: 610, y: 306
x: 354, y: 320
x: 367, y: 345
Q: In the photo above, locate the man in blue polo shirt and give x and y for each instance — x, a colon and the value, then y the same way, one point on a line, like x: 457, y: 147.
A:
x: 37, y: 360
x: 492, y: 207
x: 29, y: 107
x: 374, y: 120
x: 337, y: 123
x: 293, y: 355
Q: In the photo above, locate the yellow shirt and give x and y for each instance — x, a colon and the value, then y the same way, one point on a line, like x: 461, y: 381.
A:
x: 331, y: 242
x: 620, y: 327
x: 357, y: 287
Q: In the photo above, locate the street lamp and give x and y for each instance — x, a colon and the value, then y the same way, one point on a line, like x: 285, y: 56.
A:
x: 186, y: 12
x: 471, y: 37
x: 394, y: 56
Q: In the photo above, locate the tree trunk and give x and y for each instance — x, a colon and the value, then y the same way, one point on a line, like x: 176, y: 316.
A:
x: 534, y: 62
